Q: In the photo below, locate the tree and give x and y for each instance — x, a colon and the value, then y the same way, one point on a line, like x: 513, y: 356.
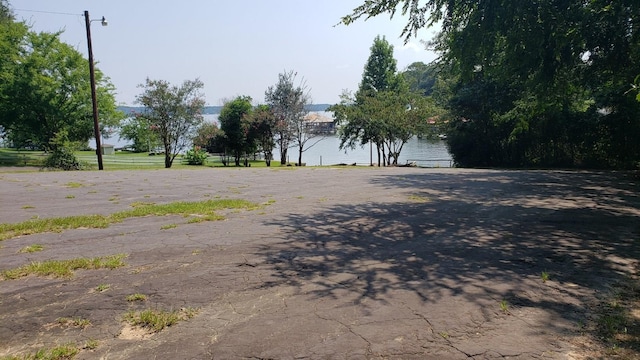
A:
x: 234, y: 124
x: 380, y: 112
x: 421, y: 77
x: 262, y: 125
x: 138, y: 130
x: 48, y: 92
x: 560, y: 68
x: 209, y: 137
x: 173, y: 112
x: 288, y: 103
x: 387, y: 118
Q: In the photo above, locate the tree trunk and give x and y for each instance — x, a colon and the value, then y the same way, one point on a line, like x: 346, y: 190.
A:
x: 167, y: 160
x: 300, y: 157
x: 283, y: 156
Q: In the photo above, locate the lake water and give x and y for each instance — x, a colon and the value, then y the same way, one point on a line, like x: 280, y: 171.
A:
x: 428, y: 153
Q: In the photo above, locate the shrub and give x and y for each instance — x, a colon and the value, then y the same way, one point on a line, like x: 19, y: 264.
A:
x: 62, y: 158
x: 196, y: 156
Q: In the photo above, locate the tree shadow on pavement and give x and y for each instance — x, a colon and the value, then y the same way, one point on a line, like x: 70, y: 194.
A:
x: 476, y: 236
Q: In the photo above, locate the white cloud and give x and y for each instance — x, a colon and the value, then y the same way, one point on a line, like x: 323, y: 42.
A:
x: 416, y: 47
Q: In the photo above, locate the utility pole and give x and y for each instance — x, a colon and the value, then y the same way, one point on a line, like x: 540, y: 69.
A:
x: 94, y: 100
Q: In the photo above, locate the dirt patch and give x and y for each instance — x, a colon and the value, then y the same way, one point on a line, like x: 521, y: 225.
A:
x: 341, y: 263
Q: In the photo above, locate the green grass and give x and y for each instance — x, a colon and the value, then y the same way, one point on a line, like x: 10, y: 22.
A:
x: 64, y: 268
x: 103, y: 287
x: 12, y: 157
x: 156, y: 320
x: 504, y: 306
x: 32, y: 248
x: 136, y: 297
x: 60, y: 352
x: 91, y: 344
x: 544, y: 276
x: 121, y: 160
x: 200, y: 211
x: 419, y: 199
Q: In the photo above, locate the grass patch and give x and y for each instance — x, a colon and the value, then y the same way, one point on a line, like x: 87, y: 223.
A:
x: 64, y: 268
x: 618, y: 321
x: 156, y: 320
x: 103, y: 287
x: 136, y: 297
x: 201, y: 210
x: 36, y: 226
x: 31, y: 248
x: 76, y: 322
x: 70, y: 197
x: 544, y: 276
x: 504, y: 306
x: 169, y: 226
x: 28, y: 207
x: 61, y: 352
x: 419, y: 199
x: 74, y: 185
x: 91, y: 344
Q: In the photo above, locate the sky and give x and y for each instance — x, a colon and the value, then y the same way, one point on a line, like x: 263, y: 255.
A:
x: 234, y: 47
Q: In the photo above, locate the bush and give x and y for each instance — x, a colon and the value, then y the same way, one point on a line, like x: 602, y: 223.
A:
x: 196, y: 156
x: 62, y: 158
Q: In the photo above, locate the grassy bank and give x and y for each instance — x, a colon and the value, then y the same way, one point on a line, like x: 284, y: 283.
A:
x: 121, y: 160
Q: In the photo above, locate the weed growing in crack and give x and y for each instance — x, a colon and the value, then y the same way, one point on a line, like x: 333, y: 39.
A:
x: 31, y: 248
x: 103, y: 287
x: 504, y: 306
x: 91, y: 344
x: 73, y: 322
x: 136, y: 297
x: 544, y: 276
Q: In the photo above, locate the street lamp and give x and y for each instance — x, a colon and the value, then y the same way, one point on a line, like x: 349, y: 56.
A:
x: 94, y: 100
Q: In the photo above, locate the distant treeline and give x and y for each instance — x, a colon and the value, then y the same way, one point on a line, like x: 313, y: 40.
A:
x: 212, y: 110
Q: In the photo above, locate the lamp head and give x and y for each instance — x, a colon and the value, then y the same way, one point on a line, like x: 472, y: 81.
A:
x: 104, y: 22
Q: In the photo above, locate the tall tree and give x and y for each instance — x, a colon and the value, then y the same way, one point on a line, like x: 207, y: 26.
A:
x: 49, y: 93
x: 262, y: 124
x: 421, y: 77
x: 358, y: 123
x: 138, y: 131
x: 209, y: 137
x: 173, y: 112
x: 561, y: 70
x: 288, y: 102
x: 234, y: 123
x: 380, y: 69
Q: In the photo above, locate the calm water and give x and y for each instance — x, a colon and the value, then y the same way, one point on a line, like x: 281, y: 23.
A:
x: 326, y: 152
x: 429, y: 153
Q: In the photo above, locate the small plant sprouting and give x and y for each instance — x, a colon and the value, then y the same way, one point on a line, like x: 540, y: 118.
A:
x: 504, y: 306
x: 169, y: 226
x: 545, y: 276
x: 70, y: 197
x: 136, y: 297
x: 28, y: 207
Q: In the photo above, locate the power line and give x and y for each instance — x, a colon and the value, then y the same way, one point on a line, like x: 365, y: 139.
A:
x: 47, y: 12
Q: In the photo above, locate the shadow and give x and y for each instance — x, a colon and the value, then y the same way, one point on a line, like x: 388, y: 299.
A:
x: 473, y: 235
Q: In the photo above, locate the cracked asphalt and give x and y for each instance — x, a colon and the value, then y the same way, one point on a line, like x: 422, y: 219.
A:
x: 340, y: 263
